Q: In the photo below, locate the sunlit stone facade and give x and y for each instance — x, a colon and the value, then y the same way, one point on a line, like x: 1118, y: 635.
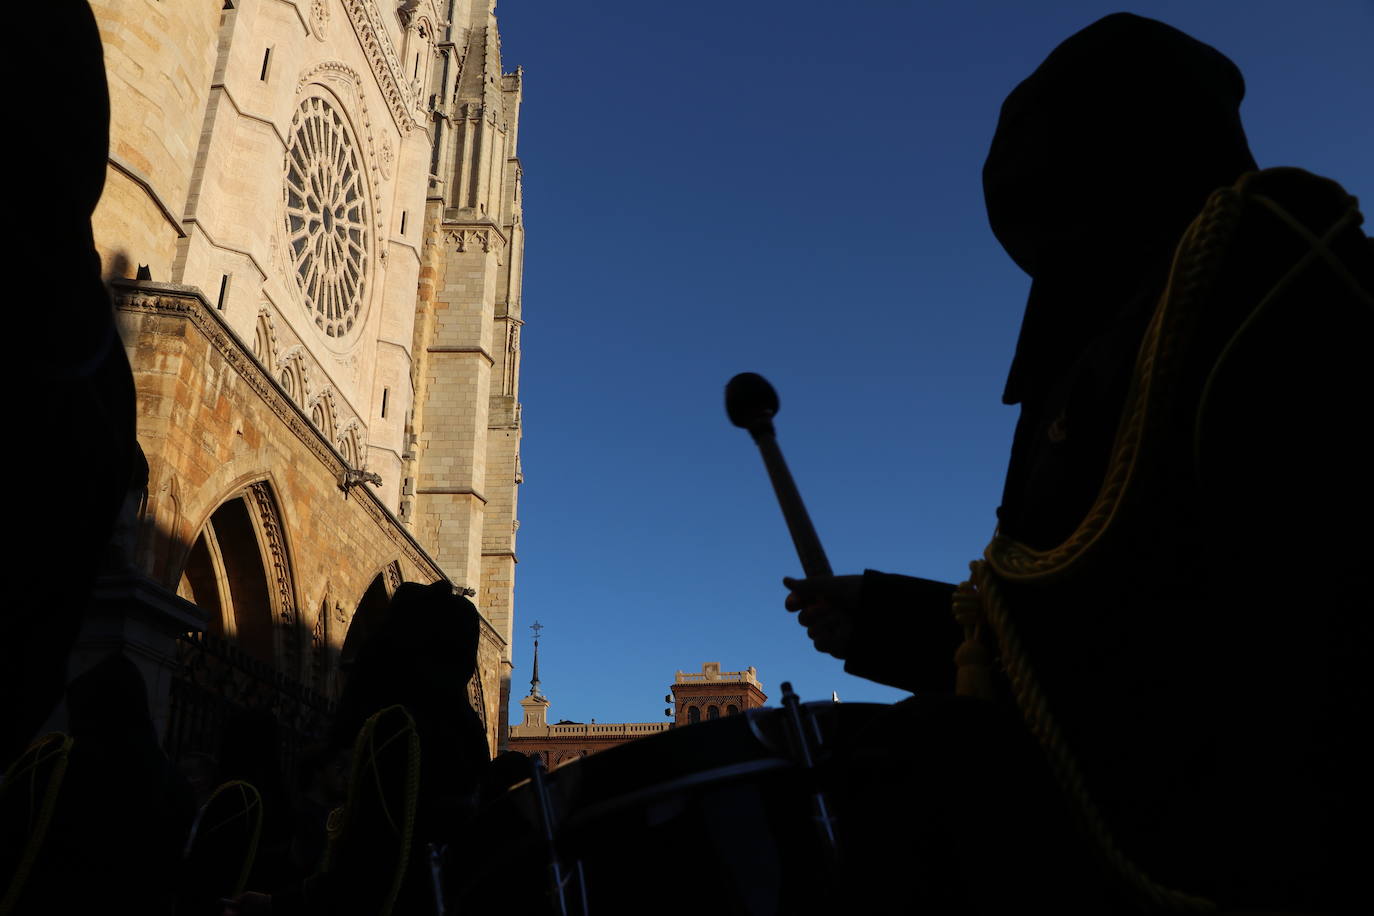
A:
x: 312, y: 228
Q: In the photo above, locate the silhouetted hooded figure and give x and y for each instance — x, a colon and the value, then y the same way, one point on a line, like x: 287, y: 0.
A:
x: 250, y: 750
x: 81, y: 394
x: 1208, y: 665
x: 123, y: 812
x: 1198, y: 688
x: 1102, y: 157
x: 423, y: 658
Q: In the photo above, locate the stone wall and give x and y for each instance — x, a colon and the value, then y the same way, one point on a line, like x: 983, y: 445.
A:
x: 214, y: 424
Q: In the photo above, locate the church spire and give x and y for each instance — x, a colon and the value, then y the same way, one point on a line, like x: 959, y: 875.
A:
x: 534, y: 681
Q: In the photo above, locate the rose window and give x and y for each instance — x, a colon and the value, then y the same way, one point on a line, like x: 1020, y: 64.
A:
x: 326, y: 217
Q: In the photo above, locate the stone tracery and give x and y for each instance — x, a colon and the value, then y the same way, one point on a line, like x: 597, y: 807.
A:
x: 327, y: 214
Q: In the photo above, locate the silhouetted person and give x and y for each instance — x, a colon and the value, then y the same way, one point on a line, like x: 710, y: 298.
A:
x: 1207, y: 663
x: 123, y: 812
x: 422, y: 659
x: 78, y: 395
x: 250, y: 750
x: 507, y: 769
x: 321, y: 787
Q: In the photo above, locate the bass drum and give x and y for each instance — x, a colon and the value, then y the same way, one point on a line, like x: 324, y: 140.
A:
x: 723, y: 817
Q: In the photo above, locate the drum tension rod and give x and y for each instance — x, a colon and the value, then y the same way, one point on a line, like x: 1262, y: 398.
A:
x: 557, y: 880
x: 802, y: 741
x: 436, y: 853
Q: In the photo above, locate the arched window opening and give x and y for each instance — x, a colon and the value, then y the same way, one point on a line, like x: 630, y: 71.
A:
x: 732, y: 710
x: 226, y: 576
x: 348, y: 448
x: 367, y: 619
x: 246, y: 578
x: 693, y: 715
x: 713, y: 711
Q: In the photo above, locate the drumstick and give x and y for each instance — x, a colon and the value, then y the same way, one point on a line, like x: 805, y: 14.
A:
x: 751, y: 403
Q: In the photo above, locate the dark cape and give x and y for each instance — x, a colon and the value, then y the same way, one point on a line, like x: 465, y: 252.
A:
x: 1205, y: 667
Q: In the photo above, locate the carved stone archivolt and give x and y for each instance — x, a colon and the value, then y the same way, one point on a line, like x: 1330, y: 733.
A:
x: 265, y: 507
x: 324, y: 413
x: 476, y: 697
x: 350, y: 443
x: 189, y: 304
x: 381, y: 56
x: 293, y: 372
x: 265, y: 338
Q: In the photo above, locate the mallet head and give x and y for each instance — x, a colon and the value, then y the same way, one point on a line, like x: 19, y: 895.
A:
x: 750, y: 401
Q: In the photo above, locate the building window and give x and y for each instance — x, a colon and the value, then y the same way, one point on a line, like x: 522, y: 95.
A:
x: 732, y: 710
x: 693, y: 715
x: 327, y: 217
x: 713, y: 712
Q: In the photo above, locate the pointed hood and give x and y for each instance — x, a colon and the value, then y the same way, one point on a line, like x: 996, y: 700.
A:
x: 1101, y: 158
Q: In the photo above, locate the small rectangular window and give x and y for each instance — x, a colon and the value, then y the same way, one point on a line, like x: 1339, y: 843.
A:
x: 385, y: 392
x: 403, y: 222
x: 266, y: 60
x: 223, y: 291
x: 416, y: 74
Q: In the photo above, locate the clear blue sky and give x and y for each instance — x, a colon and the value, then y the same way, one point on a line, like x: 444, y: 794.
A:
x: 793, y: 188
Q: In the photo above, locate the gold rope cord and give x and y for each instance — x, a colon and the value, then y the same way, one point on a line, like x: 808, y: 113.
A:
x: 1035, y: 710
x: 1318, y: 247
x: 981, y: 600
x: 365, y: 753
x: 251, y: 808
x: 1190, y: 277
x: 45, y: 749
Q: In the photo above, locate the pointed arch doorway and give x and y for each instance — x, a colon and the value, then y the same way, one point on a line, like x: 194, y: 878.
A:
x: 239, y: 569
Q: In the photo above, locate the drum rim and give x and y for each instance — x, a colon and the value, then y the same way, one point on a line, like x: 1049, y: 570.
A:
x: 714, y: 776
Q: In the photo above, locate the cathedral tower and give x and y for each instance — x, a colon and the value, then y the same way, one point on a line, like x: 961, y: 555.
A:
x: 466, y: 425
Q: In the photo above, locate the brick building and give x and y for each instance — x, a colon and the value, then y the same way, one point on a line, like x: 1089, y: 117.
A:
x: 696, y: 696
x: 712, y: 694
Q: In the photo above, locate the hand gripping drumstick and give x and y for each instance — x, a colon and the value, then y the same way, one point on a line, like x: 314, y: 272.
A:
x: 751, y: 404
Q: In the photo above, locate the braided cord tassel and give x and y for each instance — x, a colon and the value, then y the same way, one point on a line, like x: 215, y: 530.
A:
x: 972, y: 659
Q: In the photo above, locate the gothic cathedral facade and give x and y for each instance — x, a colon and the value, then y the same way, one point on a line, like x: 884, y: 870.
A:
x: 311, y: 226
